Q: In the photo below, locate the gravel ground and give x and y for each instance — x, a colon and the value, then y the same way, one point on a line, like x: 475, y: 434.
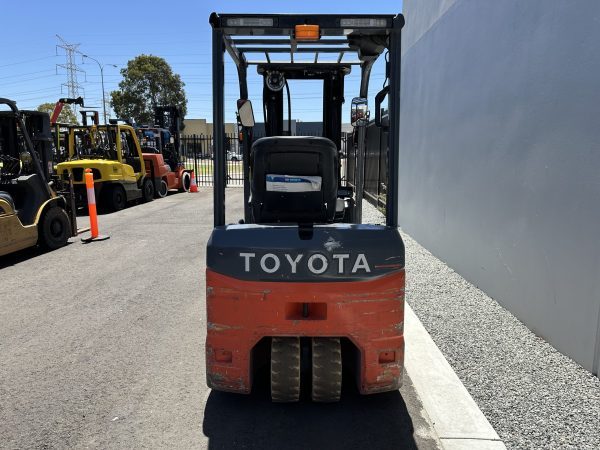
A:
x: 533, y: 396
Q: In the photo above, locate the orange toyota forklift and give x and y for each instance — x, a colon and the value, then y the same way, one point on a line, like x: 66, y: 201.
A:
x: 300, y: 281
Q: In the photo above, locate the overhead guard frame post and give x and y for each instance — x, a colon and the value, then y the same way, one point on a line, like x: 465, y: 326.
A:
x: 359, y: 168
x: 218, y: 79
x: 239, y: 59
x: 243, y: 82
x: 395, y: 43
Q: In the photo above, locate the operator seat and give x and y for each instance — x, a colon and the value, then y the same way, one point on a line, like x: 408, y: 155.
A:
x: 27, y: 194
x: 294, y: 179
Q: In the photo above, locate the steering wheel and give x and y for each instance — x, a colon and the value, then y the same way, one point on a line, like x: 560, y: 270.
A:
x: 10, y: 166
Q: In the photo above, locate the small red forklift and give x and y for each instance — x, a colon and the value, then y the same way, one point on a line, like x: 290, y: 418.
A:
x: 300, y: 281
x: 161, y: 150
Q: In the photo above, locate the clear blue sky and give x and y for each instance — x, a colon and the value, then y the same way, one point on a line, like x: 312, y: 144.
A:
x: 115, y: 31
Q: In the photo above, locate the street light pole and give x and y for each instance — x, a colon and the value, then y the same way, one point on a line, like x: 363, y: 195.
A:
x: 101, y: 66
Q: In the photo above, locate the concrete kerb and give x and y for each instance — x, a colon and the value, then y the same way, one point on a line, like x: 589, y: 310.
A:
x: 456, y: 418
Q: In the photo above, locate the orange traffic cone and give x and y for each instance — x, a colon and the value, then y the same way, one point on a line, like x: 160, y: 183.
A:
x: 193, y: 185
x: 91, y: 196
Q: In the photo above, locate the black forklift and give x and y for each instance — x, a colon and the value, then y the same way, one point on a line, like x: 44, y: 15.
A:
x: 35, y: 207
x: 170, y: 118
x: 300, y: 282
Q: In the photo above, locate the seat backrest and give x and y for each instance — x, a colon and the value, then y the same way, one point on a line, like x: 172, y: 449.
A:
x: 27, y: 194
x: 294, y: 179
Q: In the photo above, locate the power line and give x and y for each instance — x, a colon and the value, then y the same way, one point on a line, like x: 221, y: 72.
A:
x: 19, y: 75
x: 25, y: 80
x: 50, y: 89
x: 26, y: 61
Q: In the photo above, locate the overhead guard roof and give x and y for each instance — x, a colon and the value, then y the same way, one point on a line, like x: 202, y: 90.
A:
x: 362, y: 35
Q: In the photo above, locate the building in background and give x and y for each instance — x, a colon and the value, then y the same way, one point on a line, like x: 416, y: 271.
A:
x: 200, y: 127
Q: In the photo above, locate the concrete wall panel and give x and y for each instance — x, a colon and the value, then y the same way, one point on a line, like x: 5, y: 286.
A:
x: 500, y: 155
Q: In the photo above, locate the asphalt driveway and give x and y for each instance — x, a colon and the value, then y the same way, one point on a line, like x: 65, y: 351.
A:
x: 102, y: 346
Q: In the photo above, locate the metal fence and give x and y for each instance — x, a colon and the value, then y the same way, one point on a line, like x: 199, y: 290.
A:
x: 197, y: 154
x: 376, y: 174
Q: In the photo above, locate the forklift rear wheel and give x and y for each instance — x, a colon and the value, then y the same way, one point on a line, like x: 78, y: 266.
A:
x: 162, y: 190
x: 186, y: 182
x: 285, y: 369
x: 54, y: 230
x: 116, y: 198
x: 147, y: 190
x: 326, y: 369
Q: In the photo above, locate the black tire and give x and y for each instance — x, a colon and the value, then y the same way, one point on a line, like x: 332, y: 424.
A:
x: 285, y: 369
x: 8, y: 199
x: 186, y: 182
x: 147, y: 190
x: 326, y: 370
x: 162, y: 191
x: 54, y: 229
x: 116, y: 198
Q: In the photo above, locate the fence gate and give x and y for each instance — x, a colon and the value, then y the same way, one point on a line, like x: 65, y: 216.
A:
x: 197, y: 154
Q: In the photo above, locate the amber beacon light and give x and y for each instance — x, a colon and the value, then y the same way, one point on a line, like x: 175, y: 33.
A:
x: 307, y: 33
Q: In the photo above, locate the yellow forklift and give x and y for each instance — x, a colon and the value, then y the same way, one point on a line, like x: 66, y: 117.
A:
x: 114, y: 154
x: 31, y: 211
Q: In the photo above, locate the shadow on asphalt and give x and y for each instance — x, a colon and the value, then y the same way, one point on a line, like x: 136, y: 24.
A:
x: 356, y: 422
x: 23, y: 255
x: 82, y: 211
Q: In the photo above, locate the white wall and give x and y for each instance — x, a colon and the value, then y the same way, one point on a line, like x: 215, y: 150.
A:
x: 500, y: 155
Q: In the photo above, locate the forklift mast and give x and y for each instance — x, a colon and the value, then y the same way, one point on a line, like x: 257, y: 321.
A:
x: 89, y: 117
x: 332, y: 77
x: 170, y: 118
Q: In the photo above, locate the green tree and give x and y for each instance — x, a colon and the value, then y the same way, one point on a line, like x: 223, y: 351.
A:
x: 67, y: 115
x: 148, y: 81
